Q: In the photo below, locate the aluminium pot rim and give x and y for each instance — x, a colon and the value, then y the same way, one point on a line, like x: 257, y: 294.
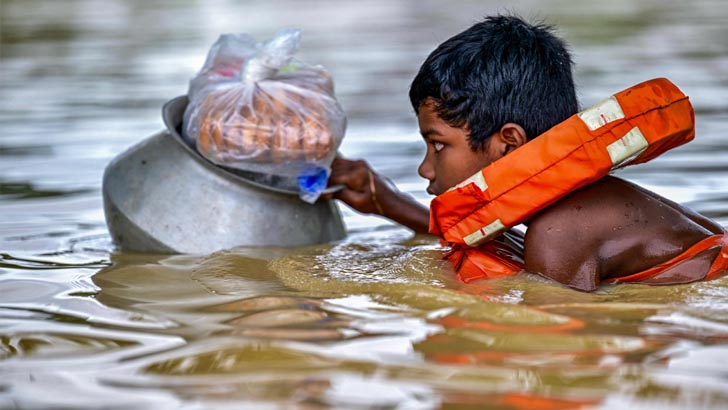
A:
x: 172, y: 113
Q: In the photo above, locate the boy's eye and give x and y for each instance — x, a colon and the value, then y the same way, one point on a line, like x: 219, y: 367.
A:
x: 438, y: 146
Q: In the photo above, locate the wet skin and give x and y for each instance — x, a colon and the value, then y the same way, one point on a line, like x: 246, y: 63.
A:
x: 609, y: 229
x: 449, y: 158
x: 359, y: 179
x: 613, y: 228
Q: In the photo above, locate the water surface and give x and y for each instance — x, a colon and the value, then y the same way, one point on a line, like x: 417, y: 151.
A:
x: 375, y: 321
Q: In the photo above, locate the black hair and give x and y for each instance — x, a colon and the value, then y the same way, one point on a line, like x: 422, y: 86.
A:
x: 499, y: 70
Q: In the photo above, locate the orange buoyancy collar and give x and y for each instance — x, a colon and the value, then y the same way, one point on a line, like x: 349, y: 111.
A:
x: 631, y: 127
x: 661, y: 274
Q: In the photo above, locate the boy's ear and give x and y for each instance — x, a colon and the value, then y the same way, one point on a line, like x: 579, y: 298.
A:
x: 511, y: 136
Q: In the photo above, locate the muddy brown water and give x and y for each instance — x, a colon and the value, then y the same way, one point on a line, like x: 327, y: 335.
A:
x: 375, y: 321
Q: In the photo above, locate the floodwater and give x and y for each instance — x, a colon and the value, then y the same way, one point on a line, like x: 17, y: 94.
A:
x: 375, y: 321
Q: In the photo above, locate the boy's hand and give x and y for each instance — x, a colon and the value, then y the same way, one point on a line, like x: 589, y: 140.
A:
x: 368, y: 193
x: 356, y: 177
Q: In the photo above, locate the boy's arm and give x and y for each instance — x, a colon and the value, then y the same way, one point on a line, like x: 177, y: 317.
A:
x: 562, y: 241
x: 696, y: 217
x: 384, y: 199
x: 553, y: 253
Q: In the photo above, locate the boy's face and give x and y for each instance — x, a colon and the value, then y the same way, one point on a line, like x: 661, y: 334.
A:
x: 449, y: 159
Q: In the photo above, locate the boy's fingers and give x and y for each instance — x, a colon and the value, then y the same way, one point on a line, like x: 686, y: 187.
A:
x: 341, y: 164
x: 341, y: 179
x: 352, y: 198
x: 338, y: 161
x: 353, y: 174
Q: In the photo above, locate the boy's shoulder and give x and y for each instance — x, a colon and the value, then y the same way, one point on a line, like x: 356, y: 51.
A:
x: 591, y: 211
x: 606, y: 229
x: 611, y: 205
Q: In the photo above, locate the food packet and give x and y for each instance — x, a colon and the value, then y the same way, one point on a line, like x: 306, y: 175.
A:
x: 255, y: 108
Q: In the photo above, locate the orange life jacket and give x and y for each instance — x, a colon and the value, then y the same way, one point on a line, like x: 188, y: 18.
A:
x: 631, y: 127
x: 662, y: 274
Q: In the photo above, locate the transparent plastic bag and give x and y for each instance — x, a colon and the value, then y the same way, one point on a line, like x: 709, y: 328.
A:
x: 254, y: 108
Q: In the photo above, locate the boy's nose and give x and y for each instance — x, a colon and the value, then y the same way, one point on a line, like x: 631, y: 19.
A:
x: 426, y: 170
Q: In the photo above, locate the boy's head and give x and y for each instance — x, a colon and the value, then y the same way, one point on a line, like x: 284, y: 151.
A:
x: 501, y: 70
x: 485, y: 92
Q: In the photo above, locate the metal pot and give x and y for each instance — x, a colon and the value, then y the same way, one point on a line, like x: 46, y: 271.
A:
x: 162, y: 196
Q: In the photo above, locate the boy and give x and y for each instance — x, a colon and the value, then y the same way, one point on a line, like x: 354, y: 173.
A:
x: 489, y: 90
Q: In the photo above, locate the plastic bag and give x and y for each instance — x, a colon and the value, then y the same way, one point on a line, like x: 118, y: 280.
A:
x: 254, y: 108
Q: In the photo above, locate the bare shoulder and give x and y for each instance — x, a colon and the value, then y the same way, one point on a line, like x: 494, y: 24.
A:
x: 561, y: 240
x: 610, y: 228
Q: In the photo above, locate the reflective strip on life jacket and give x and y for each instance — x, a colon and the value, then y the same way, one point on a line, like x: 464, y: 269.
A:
x: 631, y: 127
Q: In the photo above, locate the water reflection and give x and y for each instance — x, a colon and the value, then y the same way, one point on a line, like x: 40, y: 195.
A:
x: 397, y: 332
x: 376, y: 320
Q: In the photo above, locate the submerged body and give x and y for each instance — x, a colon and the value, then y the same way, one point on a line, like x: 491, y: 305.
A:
x: 602, y: 232
x: 490, y: 90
